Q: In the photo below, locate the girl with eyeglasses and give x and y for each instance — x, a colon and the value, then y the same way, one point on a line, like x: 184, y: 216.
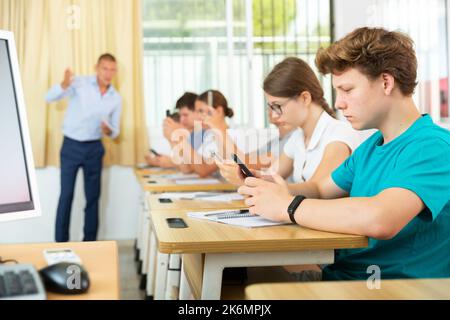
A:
x: 321, y: 142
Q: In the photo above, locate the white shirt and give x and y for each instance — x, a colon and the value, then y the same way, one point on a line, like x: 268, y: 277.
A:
x: 327, y: 130
x: 211, y: 141
x: 208, y: 146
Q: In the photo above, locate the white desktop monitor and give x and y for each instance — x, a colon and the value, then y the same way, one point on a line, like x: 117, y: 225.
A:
x: 19, y: 198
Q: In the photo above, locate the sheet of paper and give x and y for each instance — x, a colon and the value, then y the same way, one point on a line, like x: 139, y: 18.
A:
x: 250, y: 222
x: 191, y: 182
x: 225, y: 197
x: 180, y: 176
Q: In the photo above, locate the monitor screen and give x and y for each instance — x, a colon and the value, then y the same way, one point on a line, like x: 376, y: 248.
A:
x: 15, y: 191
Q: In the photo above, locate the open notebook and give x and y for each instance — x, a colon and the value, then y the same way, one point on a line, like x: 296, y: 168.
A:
x: 240, y: 218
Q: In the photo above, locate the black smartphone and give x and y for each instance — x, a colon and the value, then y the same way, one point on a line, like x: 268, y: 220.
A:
x: 168, y: 113
x: 154, y: 152
x: 176, y: 223
x: 245, y: 171
x: 165, y: 200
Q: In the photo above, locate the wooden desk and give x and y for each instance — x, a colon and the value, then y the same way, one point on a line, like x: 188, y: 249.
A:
x: 143, y: 175
x: 162, y: 285
x: 416, y: 289
x: 144, y: 239
x: 100, y: 259
x: 216, y: 246
x: 153, y: 171
x: 194, y: 205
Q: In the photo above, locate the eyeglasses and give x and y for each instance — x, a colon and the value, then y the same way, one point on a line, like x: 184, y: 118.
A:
x: 277, y: 107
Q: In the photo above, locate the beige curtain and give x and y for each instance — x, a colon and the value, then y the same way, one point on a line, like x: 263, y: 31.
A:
x: 52, y: 35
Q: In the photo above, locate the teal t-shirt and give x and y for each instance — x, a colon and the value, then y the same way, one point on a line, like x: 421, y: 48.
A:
x: 417, y: 160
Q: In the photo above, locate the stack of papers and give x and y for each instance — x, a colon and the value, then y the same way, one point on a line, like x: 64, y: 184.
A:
x: 241, y: 218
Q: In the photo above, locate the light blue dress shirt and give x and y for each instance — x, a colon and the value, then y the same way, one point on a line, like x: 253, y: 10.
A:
x: 88, y: 108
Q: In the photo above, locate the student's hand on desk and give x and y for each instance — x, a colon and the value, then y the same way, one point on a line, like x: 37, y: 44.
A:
x: 152, y: 160
x: 158, y: 161
x: 165, y: 162
x: 105, y: 129
x: 267, y: 199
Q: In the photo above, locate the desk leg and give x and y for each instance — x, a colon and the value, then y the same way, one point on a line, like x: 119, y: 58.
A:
x: 173, y: 277
x: 144, y: 249
x: 140, y: 226
x: 150, y: 289
x: 144, y: 236
x: 161, y: 275
x: 216, y: 262
x: 185, y: 291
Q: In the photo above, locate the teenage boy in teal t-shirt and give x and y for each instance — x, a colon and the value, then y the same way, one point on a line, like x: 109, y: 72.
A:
x: 398, y: 181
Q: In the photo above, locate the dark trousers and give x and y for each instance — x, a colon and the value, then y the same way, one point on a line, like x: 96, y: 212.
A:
x: 88, y: 156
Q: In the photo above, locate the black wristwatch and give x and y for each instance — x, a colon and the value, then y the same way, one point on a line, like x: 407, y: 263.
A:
x: 293, y: 206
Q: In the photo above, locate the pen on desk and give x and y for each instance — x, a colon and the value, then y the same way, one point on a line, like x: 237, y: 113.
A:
x: 226, y: 212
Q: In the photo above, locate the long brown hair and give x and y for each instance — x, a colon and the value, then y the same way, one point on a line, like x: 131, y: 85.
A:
x: 293, y: 76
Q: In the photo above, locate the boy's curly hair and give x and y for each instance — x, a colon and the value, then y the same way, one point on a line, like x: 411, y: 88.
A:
x: 373, y: 51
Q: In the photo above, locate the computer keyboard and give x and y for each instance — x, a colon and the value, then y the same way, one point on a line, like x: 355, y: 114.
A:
x: 20, y: 282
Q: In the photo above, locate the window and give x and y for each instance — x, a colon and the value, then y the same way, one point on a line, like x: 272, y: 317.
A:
x: 229, y: 45
x: 431, y: 39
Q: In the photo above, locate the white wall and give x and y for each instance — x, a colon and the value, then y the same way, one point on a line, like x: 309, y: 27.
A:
x: 118, y: 209
x: 351, y: 14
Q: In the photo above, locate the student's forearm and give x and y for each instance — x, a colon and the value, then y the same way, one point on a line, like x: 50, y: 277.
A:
x: 204, y: 170
x: 307, y: 189
x: 348, y: 215
x: 185, y: 168
x: 191, y: 161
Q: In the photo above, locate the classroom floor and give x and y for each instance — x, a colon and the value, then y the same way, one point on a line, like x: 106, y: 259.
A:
x: 129, y: 279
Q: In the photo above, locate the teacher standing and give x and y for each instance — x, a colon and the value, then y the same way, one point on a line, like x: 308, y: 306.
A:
x: 94, y: 111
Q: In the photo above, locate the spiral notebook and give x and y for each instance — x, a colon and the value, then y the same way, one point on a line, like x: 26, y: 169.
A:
x: 242, y: 218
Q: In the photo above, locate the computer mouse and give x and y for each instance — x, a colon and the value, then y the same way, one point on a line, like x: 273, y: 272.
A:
x: 65, y: 278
